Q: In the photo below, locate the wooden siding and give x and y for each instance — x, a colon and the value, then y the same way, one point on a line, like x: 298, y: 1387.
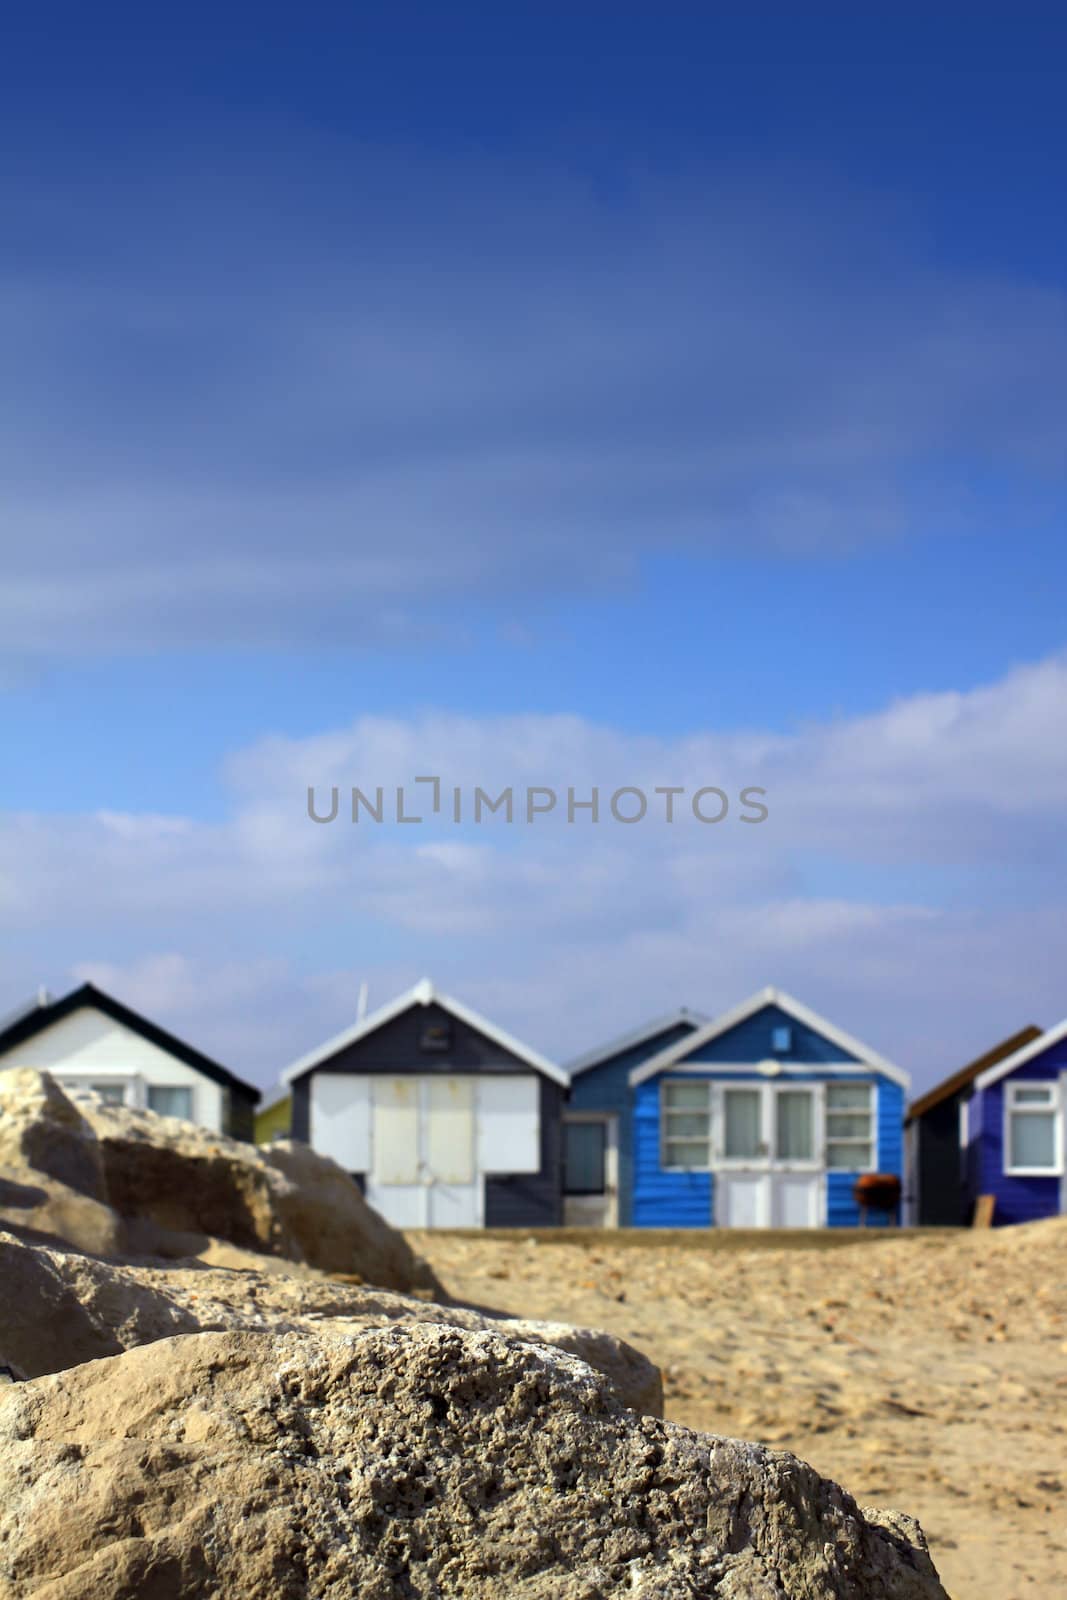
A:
x: 606, y: 1087
x: 300, y: 1126
x: 751, y: 1040
x: 238, y: 1115
x: 395, y: 1047
x: 943, y: 1185
x: 841, y: 1208
x: 663, y: 1199
x: 1017, y: 1199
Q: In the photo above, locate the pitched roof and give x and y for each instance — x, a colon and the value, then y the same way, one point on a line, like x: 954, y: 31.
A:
x: 748, y: 1008
x: 629, y: 1041
x: 45, y: 1012
x: 1026, y: 1052
x: 966, y: 1075
x: 422, y: 993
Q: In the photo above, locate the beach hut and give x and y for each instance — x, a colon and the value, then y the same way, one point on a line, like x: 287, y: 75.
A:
x: 598, y: 1121
x: 443, y: 1118
x: 767, y: 1116
x: 274, y: 1117
x: 90, y: 1041
x: 938, y: 1187
x: 1016, y: 1136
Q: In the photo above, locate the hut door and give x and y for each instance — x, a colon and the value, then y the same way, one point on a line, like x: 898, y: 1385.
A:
x: 767, y: 1173
x: 422, y: 1152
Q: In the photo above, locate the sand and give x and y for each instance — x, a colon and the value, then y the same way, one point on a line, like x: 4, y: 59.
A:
x: 925, y: 1372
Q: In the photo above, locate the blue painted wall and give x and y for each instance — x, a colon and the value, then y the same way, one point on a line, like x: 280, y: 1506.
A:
x: 606, y: 1087
x: 1017, y: 1199
x: 686, y: 1199
x: 663, y: 1199
x: 751, y: 1040
x: 841, y: 1208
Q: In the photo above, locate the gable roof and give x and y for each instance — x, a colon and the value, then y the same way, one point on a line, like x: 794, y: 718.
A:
x: 748, y: 1008
x: 1026, y: 1052
x: 637, y: 1036
x: 422, y: 993
x: 967, y: 1075
x: 45, y: 1012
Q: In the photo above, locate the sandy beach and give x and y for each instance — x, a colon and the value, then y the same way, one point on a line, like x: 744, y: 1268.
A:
x: 926, y: 1372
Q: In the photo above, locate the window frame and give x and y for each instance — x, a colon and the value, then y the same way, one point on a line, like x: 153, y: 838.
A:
x: 666, y: 1111
x: 869, y: 1141
x: 1052, y: 1106
x: 188, y: 1087
x: 769, y: 1161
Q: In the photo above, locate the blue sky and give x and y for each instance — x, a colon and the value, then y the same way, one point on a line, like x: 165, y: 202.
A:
x: 609, y: 390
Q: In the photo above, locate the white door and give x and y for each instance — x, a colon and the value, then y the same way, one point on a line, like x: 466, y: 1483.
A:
x: 451, y: 1181
x: 394, y: 1188
x: 742, y: 1200
x: 795, y: 1199
x: 768, y: 1171
x: 422, y: 1170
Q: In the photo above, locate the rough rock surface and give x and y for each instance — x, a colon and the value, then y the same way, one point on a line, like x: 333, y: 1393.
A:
x: 413, y: 1461
x: 59, y: 1309
x: 103, y: 1177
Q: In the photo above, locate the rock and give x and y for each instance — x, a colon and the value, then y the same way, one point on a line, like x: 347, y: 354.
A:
x: 42, y: 1130
x: 38, y: 1206
x: 60, y: 1309
x: 321, y: 1210
x: 636, y: 1380
x: 151, y: 1182
x: 412, y: 1460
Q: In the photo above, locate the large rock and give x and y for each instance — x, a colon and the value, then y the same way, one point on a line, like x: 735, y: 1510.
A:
x: 41, y: 1129
x: 43, y: 1207
x: 172, y: 1183
x: 59, y: 1309
x: 411, y: 1461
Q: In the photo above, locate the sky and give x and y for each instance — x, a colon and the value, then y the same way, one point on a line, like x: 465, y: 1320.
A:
x: 569, y: 397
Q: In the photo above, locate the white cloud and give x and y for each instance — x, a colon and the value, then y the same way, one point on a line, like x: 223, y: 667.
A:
x: 909, y: 880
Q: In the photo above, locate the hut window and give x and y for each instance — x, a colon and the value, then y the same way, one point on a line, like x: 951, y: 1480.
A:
x: 850, y: 1126
x: 686, y: 1109
x: 742, y: 1119
x: 171, y: 1100
x: 794, y: 1136
x: 1034, y: 1135
x: 584, y: 1157
x: 781, y: 1040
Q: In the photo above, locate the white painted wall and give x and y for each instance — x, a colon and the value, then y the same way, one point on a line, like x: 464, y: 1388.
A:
x: 87, y: 1047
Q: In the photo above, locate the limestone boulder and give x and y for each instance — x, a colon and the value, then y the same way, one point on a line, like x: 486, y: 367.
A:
x: 410, y: 1460
x: 111, y: 1179
x: 43, y: 1131
x: 58, y: 1309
